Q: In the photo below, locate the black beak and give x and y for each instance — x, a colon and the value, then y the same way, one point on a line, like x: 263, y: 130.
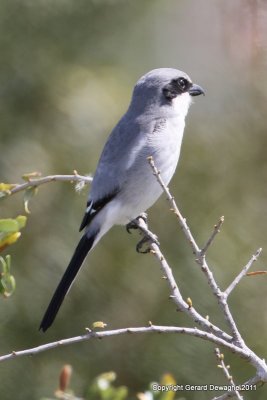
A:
x: 196, y: 90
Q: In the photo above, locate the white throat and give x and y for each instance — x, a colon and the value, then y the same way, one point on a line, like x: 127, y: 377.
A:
x: 181, y: 104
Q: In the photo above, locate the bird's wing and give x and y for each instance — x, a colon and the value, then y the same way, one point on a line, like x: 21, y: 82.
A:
x: 93, y: 207
x: 123, y: 146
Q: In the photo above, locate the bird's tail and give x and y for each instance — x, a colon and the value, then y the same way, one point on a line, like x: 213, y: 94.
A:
x: 84, y: 246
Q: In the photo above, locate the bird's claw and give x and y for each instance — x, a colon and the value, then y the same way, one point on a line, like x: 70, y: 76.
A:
x: 134, y: 224
x: 148, y: 240
x: 130, y: 226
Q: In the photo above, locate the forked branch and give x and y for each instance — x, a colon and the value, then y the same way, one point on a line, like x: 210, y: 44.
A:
x: 206, y: 330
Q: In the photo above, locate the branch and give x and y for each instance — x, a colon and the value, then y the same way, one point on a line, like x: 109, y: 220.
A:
x: 34, y: 182
x: 187, y: 308
x: 256, y: 361
x: 139, y: 330
x: 242, y: 273
x: 250, y: 383
x: 225, y: 370
x: 175, y: 292
x: 200, y: 256
x: 209, y: 331
x: 170, y: 198
x: 213, y: 235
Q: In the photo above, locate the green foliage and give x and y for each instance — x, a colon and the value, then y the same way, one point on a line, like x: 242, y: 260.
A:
x: 28, y: 194
x: 102, y: 388
x: 10, y: 230
x: 9, y: 234
x: 30, y: 191
x: 167, y: 381
x: 7, y: 281
x: 5, y: 189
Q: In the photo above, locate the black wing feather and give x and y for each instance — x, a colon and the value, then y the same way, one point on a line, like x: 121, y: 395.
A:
x: 93, y: 208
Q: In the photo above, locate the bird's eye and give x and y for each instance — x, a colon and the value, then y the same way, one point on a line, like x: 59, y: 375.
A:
x: 183, y: 83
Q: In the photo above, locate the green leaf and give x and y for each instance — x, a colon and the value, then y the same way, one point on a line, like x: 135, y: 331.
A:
x: 10, y: 230
x: 9, y: 225
x: 30, y: 175
x: 7, y: 281
x: 98, y: 324
x: 6, y: 187
x: 9, y: 239
x: 21, y: 220
x: 29, y: 193
x: 5, y: 264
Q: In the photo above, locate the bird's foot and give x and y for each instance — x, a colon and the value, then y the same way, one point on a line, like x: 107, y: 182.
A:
x: 134, y: 223
x: 148, y: 238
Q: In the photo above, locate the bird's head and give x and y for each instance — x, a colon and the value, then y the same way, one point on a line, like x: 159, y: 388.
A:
x: 164, y: 91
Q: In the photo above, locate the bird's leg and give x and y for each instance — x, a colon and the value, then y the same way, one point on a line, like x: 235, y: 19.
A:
x: 134, y: 224
x: 148, y: 238
x: 141, y: 223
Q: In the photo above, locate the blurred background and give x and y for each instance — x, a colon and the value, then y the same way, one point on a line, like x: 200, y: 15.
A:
x: 66, y: 74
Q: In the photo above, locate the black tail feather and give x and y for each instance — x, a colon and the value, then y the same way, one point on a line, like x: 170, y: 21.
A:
x: 81, y: 251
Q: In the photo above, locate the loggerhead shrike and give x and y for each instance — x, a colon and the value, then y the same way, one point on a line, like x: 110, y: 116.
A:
x: 124, y: 186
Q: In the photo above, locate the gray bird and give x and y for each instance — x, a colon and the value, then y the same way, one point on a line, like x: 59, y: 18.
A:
x: 124, y: 186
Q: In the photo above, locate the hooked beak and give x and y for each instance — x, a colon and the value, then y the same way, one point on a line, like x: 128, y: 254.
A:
x: 196, y: 90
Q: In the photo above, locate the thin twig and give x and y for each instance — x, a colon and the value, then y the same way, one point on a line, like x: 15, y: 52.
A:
x: 225, y: 370
x: 250, y: 384
x: 139, y: 330
x: 175, y: 292
x: 200, y: 258
x: 186, y: 307
x: 34, y: 182
x: 181, y: 219
x: 242, y: 273
x: 216, y: 230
